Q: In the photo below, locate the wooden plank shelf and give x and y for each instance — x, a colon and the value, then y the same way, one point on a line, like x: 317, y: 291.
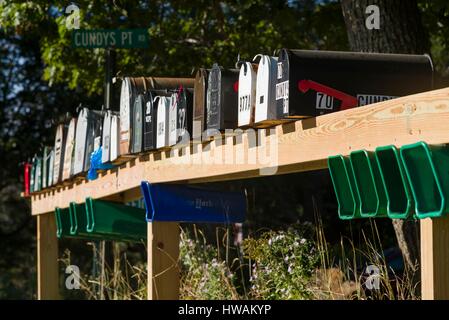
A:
x: 294, y: 147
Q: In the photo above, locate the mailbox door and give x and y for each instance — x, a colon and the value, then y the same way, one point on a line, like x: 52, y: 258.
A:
x: 138, y: 124
x: 93, y: 136
x: 115, y: 137
x: 163, y: 105
x: 213, y: 113
x: 45, y: 160
x: 38, y: 175
x: 199, y: 103
x: 282, y: 85
x: 172, y: 115
x: 50, y: 167
x: 131, y: 88
x: 222, y: 99
x: 69, y: 150
x: 60, y: 140
x: 80, y: 141
x: 149, y: 124
x: 106, y: 139
x: 265, y: 89
x: 33, y: 169
x: 183, y: 120
x: 126, y: 95
x: 229, y: 98
x: 246, y: 95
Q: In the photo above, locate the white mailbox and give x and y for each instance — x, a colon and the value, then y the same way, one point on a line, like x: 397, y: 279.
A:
x: 247, y: 95
x: 106, y: 138
x: 69, y: 150
x: 172, y: 117
x: 80, y: 141
x: 61, y: 132
x: 115, y: 137
x: 162, y: 121
x: 266, y: 89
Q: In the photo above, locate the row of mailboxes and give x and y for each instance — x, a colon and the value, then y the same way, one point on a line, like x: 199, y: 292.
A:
x: 146, y: 107
x: 70, y: 156
x: 157, y: 113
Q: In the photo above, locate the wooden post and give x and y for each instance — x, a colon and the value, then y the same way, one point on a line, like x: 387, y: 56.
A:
x: 435, y: 258
x: 163, y: 267
x: 47, y: 258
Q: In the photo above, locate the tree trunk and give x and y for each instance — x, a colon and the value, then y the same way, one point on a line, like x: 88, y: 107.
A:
x: 400, y: 28
x: 400, y: 31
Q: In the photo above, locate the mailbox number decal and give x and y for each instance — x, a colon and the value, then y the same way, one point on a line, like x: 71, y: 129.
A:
x: 148, y: 112
x: 282, y: 93
x: 160, y: 128
x: 279, y: 70
x: 182, y: 121
x: 324, y: 101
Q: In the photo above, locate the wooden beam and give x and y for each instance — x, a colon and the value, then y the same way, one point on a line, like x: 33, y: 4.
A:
x: 163, y: 256
x: 295, y: 147
x: 435, y: 258
x: 47, y: 258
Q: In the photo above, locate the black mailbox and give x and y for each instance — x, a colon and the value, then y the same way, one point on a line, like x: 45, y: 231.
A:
x: 222, y: 99
x: 179, y: 116
x: 310, y: 83
x: 184, y: 113
x: 149, y: 122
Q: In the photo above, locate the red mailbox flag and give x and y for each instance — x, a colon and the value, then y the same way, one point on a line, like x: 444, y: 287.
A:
x: 347, y: 101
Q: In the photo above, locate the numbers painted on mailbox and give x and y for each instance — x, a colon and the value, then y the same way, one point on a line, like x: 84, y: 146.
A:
x: 181, y: 118
x: 244, y: 103
x: 324, y: 101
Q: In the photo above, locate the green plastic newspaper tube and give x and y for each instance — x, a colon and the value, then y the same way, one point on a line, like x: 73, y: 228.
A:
x: 369, y: 187
x: 400, y: 203
x: 344, y: 187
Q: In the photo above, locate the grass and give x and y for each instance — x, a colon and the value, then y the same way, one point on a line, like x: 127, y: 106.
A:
x: 297, y: 263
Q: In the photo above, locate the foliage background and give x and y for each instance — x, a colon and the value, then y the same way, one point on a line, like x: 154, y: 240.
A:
x: 42, y: 78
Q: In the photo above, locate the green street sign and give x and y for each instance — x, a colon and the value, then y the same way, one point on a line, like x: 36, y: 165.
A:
x: 110, y: 38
